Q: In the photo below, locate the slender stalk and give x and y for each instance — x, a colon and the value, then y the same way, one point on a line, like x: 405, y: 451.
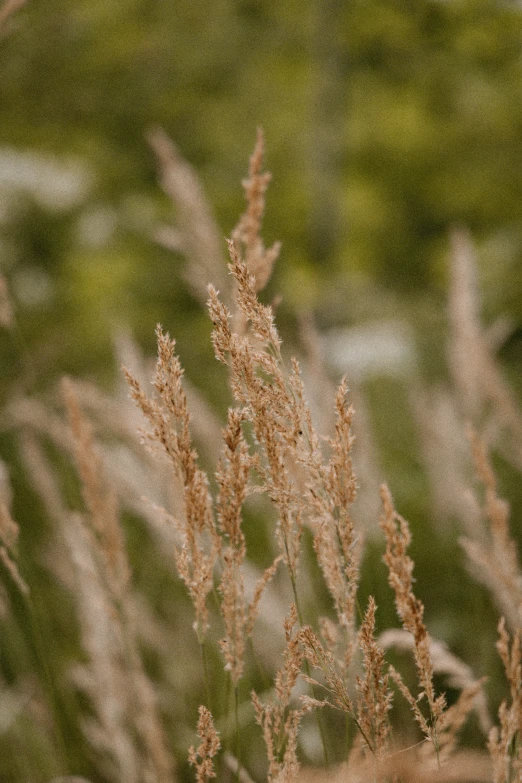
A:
x: 317, y: 713
x: 204, y: 657
x: 435, y: 740
x: 347, y: 732
x: 230, y: 730
x: 238, y: 748
x: 53, y: 690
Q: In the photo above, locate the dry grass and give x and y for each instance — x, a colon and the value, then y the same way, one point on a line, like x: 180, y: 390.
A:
x: 270, y: 447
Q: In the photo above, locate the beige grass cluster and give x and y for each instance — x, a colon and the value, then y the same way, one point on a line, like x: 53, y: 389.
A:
x: 269, y: 450
x: 311, y: 483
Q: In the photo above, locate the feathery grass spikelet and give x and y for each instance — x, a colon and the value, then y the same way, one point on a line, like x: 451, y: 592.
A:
x: 170, y: 420
x: 99, y: 496
x: 232, y: 478
x: 457, y: 674
x: 323, y: 660
x: 196, y: 235
x: 268, y: 404
x: 374, y: 696
x: 456, y: 716
x: 495, y: 562
x: 280, y: 722
x: 333, y: 490
x: 484, y: 393
x: 504, y: 742
x: 246, y: 234
x: 410, y: 611
x: 202, y: 758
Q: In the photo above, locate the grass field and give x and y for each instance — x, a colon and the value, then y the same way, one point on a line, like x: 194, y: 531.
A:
x: 197, y: 599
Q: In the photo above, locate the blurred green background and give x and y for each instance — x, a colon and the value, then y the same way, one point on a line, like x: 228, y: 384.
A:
x: 386, y: 124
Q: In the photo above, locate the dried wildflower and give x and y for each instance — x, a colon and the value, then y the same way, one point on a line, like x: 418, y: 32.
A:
x: 320, y: 658
x: 196, y: 235
x: 234, y: 615
x: 504, y: 742
x: 260, y: 316
x: 246, y: 234
x: 410, y: 611
x: 478, y: 378
x: 279, y: 722
x: 169, y: 418
x: 374, y: 700
x: 445, y: 455
x: 202, y: 758
x: 456, y: 716
x: 232, y: 477
x: 267, y: 401
x: 466, y: 349
x: 333, y: 491
x: 99, y: 496
x: 292, y: 471
x: 495, y: 562
x: 457, y: 674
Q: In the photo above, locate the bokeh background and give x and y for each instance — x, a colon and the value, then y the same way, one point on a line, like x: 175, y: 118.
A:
x: 387, y: 125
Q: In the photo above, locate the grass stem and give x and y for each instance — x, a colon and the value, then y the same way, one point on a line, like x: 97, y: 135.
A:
x: 317, y: 713
x: 204, y: 657
x: 236, y: 718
